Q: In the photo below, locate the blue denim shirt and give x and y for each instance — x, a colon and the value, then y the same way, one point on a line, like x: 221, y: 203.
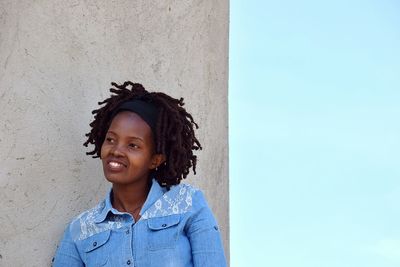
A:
x: 176, y: 228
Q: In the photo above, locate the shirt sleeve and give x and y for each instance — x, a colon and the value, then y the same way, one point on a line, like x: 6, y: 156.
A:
x: 204, y: 236
x: 67, y: 253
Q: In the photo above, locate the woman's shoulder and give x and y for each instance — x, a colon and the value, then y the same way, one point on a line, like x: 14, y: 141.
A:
x: 179, y: 199
x: 85, y: 224
x: 188, y: 192
x: 91, y: 213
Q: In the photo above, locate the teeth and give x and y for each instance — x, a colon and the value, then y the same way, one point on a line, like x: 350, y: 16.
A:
x: 115, y: 164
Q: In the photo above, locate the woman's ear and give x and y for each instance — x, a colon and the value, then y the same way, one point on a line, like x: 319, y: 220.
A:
x: 158, y: 159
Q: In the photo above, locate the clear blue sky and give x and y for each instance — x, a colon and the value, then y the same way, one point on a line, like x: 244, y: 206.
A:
x: 314, y: 99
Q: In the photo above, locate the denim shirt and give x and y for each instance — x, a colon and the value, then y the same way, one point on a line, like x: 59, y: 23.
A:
x: 176, y: 228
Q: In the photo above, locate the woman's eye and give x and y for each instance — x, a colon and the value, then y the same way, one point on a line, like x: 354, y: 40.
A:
x: 109, y: 140
x: 133, y: 146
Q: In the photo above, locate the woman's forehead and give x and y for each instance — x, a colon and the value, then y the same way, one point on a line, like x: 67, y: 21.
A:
x: 128, y: 122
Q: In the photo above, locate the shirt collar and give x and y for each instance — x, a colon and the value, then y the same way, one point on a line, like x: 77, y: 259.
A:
x: 156, y: 192
x: 105, y: 208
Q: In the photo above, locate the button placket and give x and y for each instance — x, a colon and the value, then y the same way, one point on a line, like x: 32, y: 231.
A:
x: 129, y: 232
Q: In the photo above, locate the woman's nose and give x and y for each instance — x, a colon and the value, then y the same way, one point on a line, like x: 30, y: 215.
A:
x: 117, y: 150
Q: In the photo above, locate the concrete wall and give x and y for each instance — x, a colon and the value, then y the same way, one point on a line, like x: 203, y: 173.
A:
x: 57, y: 59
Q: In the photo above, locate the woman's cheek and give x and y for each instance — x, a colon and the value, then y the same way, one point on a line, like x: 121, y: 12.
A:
x: 103, y: 150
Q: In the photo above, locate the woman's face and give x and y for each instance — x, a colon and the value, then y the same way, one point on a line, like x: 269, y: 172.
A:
x: 127, y: 152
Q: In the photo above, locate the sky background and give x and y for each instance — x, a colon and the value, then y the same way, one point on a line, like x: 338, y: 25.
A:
x: 314, y: 102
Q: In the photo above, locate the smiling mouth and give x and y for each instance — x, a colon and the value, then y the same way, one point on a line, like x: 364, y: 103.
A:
x: 114, y: 165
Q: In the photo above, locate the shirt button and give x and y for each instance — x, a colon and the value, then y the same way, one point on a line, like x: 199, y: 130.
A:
x: 127, y: 232
x: 164, y: 225
x: 216, y: 228
x: 128, y: 262
x: 94, y: 244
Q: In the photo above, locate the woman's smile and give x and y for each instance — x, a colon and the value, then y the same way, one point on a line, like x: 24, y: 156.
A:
x: 116, y: 165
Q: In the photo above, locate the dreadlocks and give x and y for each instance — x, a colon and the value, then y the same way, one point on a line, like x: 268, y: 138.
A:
x: 174, y: 136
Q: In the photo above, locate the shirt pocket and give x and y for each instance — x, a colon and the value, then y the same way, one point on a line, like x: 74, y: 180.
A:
x: 96, y: 250
x: 163, y: 232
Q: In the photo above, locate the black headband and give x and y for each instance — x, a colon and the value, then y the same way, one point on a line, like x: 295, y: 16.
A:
x: 147, y: 111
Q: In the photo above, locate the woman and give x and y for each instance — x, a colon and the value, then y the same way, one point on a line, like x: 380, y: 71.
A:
x: 145, y: 141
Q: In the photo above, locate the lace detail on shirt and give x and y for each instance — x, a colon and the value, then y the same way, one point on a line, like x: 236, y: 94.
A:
x: 176, y: 201
x: 85, y: 225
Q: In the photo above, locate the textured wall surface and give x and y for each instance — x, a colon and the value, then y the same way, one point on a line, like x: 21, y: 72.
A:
x: 57, y: 59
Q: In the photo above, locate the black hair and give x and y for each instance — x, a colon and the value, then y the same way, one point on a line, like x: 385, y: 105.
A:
x: 174, y: 136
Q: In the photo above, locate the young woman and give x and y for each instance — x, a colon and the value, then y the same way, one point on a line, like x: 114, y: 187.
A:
x: 145, y: 141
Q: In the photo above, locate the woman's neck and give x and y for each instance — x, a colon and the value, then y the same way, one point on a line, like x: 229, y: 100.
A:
x: 130, y: 198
